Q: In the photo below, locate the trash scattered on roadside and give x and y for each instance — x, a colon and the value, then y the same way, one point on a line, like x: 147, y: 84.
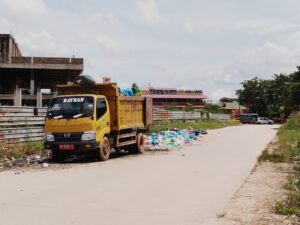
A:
x: 172, y: 139
x: 36, y: 159
x: 19, y: 162
x: 44, y: 158
x: 45, y: 165
x: 296, y: 158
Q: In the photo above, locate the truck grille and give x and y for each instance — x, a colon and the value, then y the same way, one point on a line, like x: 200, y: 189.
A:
x: 66, y: 137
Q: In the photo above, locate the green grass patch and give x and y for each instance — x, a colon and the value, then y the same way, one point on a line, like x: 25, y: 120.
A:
x: 285, y: 209
x: 292, y: 184
x: 20, y: 150
x: 197, y: 124
x: 271, y: 157
x: 289, y: 136
x: 287, y: 147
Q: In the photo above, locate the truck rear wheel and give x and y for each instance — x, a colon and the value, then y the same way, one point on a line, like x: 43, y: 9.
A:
x: 139, y: 147
x: 104, y: 151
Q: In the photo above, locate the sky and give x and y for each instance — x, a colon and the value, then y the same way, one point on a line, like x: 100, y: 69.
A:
x: 194, y: 44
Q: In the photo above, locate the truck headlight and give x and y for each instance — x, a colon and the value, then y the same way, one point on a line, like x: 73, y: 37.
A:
x: 88, y: 136
x: 49, y: 137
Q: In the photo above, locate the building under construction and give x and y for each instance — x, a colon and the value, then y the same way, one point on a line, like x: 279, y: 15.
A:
x: 31, y: 81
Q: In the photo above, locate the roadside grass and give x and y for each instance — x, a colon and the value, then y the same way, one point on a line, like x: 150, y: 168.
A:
x: 288, y: 150
x: 271, y: 157
x: 20, y: 150
x: 196, y: 124
x: 287, y: 146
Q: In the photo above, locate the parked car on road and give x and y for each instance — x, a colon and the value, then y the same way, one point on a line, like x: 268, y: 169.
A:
x: 249, y: 118
x: 264, y: 120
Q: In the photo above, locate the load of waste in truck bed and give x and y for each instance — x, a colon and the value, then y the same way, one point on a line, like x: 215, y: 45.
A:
x: 172, y: 139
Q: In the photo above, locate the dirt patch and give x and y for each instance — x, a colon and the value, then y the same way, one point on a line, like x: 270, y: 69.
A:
x: 253, y: 203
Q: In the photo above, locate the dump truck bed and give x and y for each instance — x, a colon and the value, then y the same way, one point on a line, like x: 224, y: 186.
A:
x: 125, y: 112
x: 131, y: 112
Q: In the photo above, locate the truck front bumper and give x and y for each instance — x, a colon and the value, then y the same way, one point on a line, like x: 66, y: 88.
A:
x: 78, y: 147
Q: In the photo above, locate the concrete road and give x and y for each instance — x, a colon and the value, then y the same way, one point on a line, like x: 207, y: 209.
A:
x: 185, y: 187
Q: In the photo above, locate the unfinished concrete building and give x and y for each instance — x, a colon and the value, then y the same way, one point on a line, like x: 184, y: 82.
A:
x: 31, y: 81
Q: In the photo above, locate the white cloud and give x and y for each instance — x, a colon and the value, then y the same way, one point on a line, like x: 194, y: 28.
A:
x: 107, y: 42
x: 5, y: 25
x: 103, y: 19
x: 149, y: 10
x: 265, y: 60
x: 42, y: 43
x: 263, y: 27
x: 22, y: 7
x: 189, y: 26
x: 269, y: 53
x: 202, y: 23
x: 220, y: 93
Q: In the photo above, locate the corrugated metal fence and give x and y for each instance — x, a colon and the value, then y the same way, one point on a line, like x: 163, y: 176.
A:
x: 160, y: 115
x: 19, y: 124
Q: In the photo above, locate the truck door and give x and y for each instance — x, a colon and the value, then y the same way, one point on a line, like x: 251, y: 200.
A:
x: 102, y: 118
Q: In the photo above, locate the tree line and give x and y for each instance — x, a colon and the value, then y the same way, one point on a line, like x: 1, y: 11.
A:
x: 274, y: 98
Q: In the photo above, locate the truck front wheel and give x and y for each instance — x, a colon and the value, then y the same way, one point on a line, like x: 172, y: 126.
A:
x: 104, y: 151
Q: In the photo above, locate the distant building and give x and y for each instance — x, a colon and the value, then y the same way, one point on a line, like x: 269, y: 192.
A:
x: 23, y: 79
x: 172, y: 97
x: 232, y: 106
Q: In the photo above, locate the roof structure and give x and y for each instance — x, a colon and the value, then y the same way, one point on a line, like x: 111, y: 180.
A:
x: 178, y: 96
x: 234, y: 106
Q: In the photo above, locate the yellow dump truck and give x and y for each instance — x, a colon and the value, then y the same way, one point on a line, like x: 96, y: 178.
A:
x: 95, y: 120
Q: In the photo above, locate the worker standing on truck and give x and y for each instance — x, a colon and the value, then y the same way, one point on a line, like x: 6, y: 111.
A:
x: 135, y: 89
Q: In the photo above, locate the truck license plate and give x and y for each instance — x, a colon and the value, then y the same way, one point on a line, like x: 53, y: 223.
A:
x: 66, y: 147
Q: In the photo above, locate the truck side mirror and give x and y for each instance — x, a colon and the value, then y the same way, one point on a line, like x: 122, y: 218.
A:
x: 35, y: 111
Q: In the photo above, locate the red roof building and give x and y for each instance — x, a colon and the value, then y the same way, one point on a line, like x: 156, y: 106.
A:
x: 172, y: 97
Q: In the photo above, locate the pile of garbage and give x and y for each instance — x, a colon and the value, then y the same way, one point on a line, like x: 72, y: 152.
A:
x: 11, y: 162
x: 172, y: 139
x: 133, y: 91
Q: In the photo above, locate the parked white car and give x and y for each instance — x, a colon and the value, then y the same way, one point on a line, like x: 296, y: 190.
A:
x: 264, y: 120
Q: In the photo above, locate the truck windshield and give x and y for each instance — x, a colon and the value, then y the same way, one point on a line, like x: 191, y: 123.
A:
x: 71, y: 107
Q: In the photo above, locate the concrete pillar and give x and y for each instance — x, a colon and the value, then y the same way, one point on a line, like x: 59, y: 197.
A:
x: 31, y: 82
x: 18, y: 97
x: 39, y: 98
x: 55, y: 92
x: 10, y: 49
